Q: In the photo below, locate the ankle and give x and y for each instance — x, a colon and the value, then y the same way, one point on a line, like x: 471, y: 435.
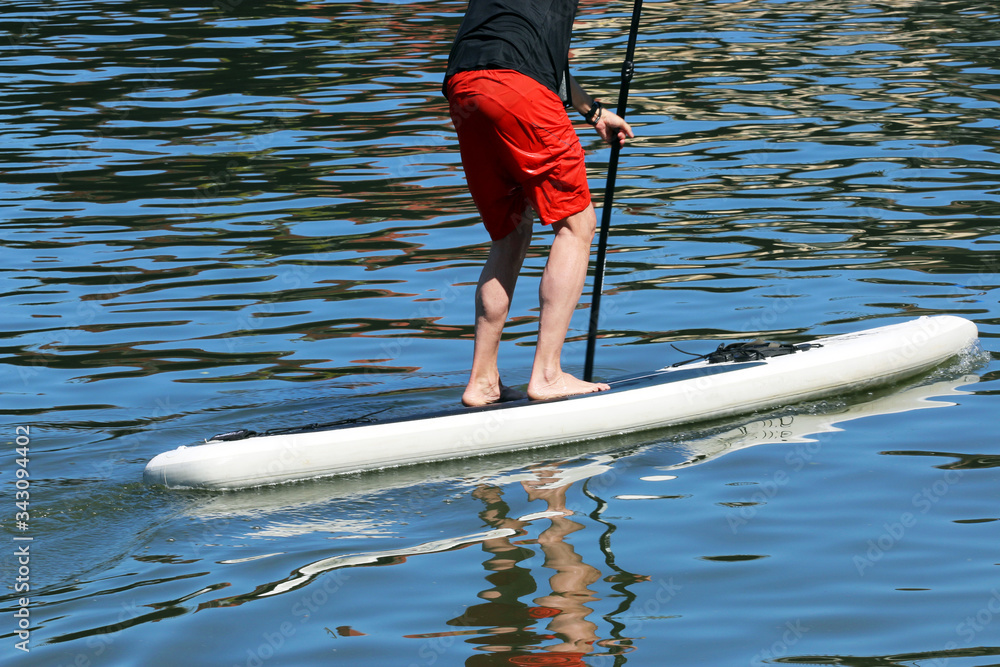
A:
x: 546, y: 376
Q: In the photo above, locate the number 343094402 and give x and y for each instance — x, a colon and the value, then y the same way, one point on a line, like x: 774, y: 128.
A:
x: 23, y: 442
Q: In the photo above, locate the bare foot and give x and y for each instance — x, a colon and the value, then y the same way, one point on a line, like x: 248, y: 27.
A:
x: 563, y: 385
x: 476, y: 397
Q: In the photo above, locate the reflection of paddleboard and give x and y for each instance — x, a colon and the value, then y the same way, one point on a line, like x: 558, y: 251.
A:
x: 704, y: 389
x: 796, y: 428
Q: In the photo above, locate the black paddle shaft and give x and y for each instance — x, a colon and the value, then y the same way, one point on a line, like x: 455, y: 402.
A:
x: 609, y: 195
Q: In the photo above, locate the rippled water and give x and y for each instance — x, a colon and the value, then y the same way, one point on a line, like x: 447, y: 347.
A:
x: 252, y: 214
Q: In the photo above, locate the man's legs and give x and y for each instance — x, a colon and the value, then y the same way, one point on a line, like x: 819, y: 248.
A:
x: 493, y: 297
x: 562, y: 284
x: 559, y: 293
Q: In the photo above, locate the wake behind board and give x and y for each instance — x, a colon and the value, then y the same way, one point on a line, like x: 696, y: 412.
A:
x: 732, y: 382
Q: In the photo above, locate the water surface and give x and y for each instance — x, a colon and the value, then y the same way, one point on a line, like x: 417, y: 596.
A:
x: 252, y: 214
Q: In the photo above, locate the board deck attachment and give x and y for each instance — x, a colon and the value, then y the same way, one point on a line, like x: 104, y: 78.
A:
x: 755, y: 350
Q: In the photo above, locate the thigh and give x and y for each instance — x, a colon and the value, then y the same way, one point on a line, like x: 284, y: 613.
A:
x: 518, y: 146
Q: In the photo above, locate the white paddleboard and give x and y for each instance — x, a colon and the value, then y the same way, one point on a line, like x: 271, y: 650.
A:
x: 674, y: 395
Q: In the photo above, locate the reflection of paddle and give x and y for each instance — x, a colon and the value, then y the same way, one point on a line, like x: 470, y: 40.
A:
x: 609, y: 195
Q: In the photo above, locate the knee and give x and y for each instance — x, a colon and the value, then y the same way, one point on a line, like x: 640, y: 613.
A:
x: 581, y: 225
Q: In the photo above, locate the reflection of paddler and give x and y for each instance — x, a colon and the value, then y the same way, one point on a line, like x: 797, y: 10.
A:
x: 509, y: 620
x: 572, y: 577
x: 511, y: 638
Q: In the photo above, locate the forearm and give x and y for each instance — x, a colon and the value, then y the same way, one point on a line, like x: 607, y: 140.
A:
x: 608, y: 124
x: 581, y: 100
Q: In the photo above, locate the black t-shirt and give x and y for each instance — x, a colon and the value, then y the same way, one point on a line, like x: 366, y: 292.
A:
x: 528, y: 36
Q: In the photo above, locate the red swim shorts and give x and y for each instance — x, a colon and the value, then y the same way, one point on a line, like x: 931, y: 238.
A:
x: 518, y: 147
